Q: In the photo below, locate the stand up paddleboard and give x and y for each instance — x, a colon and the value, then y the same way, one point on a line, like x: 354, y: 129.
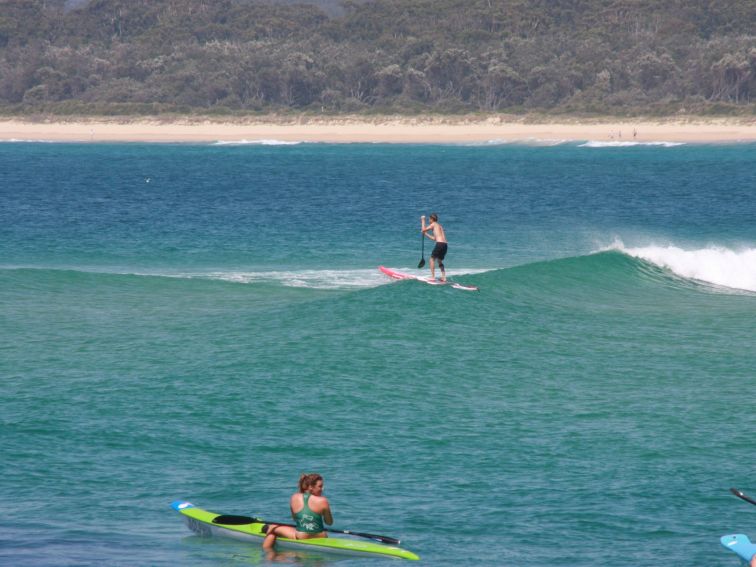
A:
x: 740, y: 544
x: 402, y: 276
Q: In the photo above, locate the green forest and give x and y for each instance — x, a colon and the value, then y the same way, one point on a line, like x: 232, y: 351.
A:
x: 248, y: 57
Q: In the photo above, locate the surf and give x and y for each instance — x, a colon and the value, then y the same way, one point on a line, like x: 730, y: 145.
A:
x: 719, y: 266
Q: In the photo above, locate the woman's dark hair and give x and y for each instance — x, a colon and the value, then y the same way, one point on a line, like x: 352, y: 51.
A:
x: 308, y: 480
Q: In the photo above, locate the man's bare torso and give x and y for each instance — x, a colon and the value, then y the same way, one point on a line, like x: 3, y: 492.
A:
x: 438, y: 232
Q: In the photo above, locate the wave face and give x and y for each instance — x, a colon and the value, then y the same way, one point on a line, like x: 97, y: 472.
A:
x: 610, y: 277
x: 175, y: 318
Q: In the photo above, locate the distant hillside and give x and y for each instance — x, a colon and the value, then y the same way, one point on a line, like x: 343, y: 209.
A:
x: 332, y: 7
x: 397, y: 56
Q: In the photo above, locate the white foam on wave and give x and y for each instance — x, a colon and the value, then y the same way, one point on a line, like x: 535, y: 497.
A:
x: 481, y: 143
x: 312, y: 279
x: 715, y: 265
x: 619, y: 144
x: 546, y: 142
x: 25, y: 141
x: 315, y: 279
x: 263, y: 142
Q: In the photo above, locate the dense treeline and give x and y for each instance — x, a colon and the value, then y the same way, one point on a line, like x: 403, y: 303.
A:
x: 218, y: 56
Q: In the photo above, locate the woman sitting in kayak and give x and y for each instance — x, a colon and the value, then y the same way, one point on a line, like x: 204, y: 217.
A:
x: 309, y: 510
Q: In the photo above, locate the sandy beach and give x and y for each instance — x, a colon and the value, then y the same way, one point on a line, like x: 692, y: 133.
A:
x: 384, y: 129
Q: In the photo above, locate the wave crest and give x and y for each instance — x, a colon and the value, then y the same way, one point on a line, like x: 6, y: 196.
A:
x: 715, y: 265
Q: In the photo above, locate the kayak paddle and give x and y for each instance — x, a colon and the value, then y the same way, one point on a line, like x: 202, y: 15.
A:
x: 421, y: 263
x: 742, y: 496
x: 230, y: 520
x: 382, y: 539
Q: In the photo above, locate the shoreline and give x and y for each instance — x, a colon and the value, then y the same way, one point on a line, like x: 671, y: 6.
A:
x: 379, y: 129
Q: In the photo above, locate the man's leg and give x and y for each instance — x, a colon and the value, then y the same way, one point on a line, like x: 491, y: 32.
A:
x: 433, y: 267
x: 443, y: 270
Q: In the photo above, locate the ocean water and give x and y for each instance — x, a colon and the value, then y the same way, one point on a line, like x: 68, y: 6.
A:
x: 206, y: 322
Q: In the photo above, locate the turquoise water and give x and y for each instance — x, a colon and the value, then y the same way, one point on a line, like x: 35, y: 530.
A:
x: 206, y: 322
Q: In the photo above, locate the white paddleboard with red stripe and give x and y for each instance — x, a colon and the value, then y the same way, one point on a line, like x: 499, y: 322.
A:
x: 394, y: 274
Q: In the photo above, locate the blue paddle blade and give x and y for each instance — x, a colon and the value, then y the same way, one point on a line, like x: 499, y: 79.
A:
x: 739, y: 544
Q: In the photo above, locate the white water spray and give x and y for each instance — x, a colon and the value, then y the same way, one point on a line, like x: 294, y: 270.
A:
x: 715, y: 265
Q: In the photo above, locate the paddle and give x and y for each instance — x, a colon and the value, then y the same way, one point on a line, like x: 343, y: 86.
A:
x: 739, y: 494
x: 241, y: 520
x: 421, y: 263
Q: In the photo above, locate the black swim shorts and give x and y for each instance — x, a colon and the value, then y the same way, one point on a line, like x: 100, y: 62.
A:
x: 439, y: 251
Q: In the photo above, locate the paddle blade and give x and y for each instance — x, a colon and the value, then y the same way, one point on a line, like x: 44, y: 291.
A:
x: 421, y: 263
x: 231, y: 520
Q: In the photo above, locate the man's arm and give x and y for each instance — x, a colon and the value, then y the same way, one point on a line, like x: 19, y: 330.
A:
x: 425, y: 229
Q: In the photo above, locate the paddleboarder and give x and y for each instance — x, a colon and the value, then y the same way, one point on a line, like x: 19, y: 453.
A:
x: 309, y: 508
x: 439, y: 250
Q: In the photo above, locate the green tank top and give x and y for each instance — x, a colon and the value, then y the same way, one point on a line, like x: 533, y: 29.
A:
x: 308, y: 521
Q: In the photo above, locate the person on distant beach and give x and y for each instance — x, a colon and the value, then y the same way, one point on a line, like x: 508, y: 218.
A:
x: 439, y: 250
x: 309, y: 509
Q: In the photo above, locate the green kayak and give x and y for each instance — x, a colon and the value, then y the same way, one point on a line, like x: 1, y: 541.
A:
x: 207, y: 523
